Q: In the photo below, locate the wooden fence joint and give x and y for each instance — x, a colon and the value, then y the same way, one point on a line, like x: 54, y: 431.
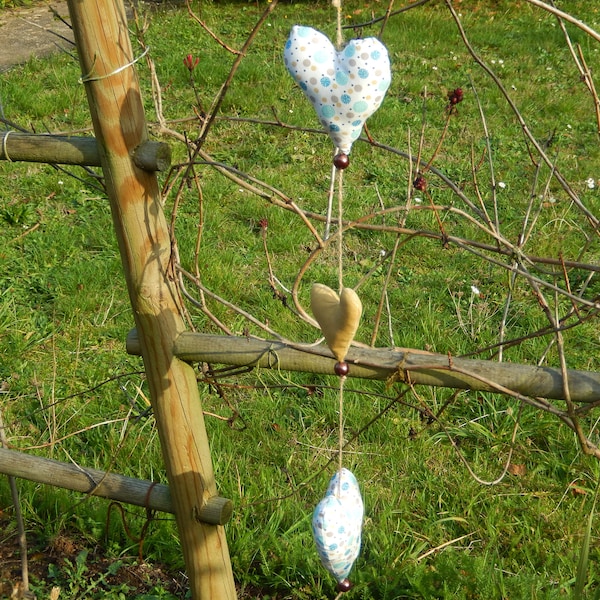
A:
x: 215, y: 511
x: 152, y: 156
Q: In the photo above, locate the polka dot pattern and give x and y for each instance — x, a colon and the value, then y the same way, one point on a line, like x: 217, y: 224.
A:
x: 337, y: 524
x: 344, y: 87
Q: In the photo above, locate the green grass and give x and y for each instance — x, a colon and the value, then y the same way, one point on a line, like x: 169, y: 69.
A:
x: 431, y: 530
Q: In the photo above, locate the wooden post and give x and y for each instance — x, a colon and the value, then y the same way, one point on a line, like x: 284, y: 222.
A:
x: 108, y: 73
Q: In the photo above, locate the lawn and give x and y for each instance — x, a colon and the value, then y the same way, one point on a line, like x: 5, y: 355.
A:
x: 467, y: 494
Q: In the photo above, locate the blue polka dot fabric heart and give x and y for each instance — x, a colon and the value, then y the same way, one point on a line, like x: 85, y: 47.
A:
x: 337, y: 525
x: 345, y: 87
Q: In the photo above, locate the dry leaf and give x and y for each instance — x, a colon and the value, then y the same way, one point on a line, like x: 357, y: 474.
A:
x: 517, y: 470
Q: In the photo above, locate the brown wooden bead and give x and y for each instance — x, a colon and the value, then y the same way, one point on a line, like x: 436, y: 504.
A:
x: 344, y: 586
x: 341, y: 161
x: 341, y: 368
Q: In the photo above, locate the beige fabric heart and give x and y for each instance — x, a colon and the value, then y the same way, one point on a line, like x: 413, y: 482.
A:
x: 338, y: 316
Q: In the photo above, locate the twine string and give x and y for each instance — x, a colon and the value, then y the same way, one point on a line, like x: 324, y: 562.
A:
x: 341, y: 435
x: 338, y: 6
x: 330, y: 203
x: 340, y: 247
x: 340, y: 184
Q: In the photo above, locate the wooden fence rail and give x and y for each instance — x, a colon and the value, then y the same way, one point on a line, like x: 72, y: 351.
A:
x: 76, y: 150
x: 151, y: 495
x: 405, y: 365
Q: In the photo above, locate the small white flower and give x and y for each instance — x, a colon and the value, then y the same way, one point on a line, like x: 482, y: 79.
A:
x: 590, y: 183
x: 61, y: 182
x: 434, y: 68
x: 475, y: 290
x: 417, y: 200
x: 501, y: 184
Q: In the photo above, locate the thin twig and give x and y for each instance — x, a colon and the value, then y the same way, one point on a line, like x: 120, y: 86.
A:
x: 12, y: 482
x: 489, y: 155
x: 213, y: 35
x: 594, y: 221
x: 386, y: 16
x: 567, y: 17
x: 465, y: 462
x: 224, y: 302
x: 236, y: 63
x: 444, y: 545
x: 589, y: 81
x: 586, y: 446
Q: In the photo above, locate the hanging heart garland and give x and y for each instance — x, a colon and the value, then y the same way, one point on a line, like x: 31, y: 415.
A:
x: 337, y: 519
x: 338, y: 316
x: 337, y: 526
x: 345, y: 87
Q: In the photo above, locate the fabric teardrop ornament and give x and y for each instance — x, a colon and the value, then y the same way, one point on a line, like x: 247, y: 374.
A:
x: 338, y: 316
x: 337, y: 525
x: 345, y: 87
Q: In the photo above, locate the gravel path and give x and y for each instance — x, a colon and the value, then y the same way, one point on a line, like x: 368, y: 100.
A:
x: 28, y: 31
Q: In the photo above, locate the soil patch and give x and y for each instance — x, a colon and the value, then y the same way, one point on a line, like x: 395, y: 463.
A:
x: 68, y: 562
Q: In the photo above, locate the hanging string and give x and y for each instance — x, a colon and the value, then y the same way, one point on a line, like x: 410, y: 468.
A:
x: 338, y: 5
x: 340, y: 177
x: 340, y: 184
x: 341, y: 433
x: 330, y: 203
